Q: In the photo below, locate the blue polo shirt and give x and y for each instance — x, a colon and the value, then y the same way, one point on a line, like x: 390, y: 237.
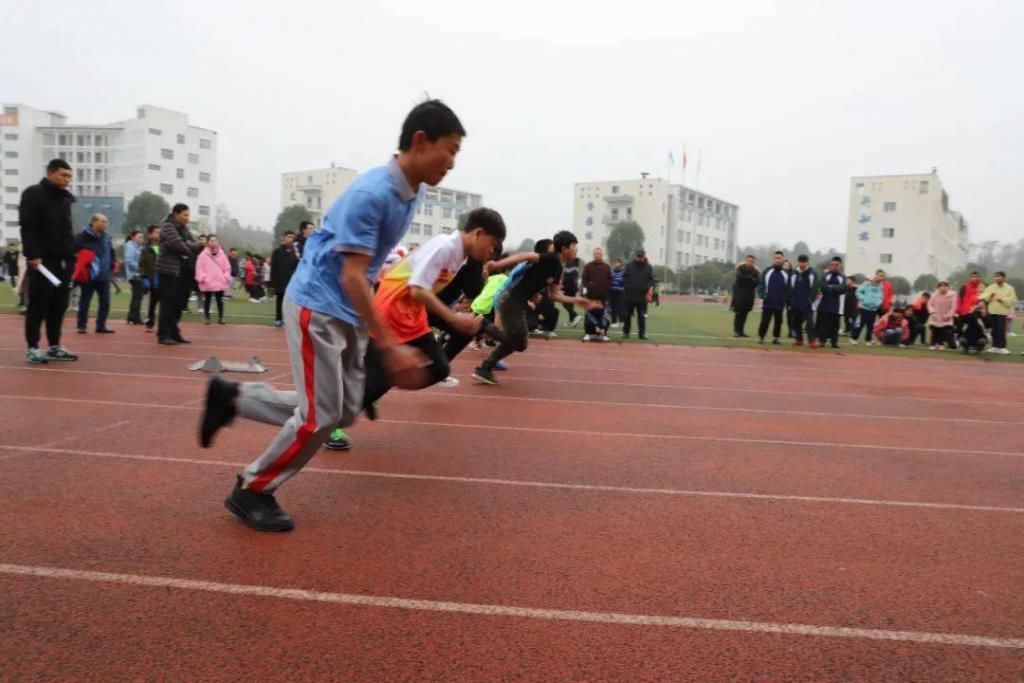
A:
x: 370, y: 218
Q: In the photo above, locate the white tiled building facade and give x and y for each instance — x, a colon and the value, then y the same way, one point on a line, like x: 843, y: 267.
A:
x: 158, y: 151
x: 682, y: 226
x: 903, y: 224
x: 437, y: 214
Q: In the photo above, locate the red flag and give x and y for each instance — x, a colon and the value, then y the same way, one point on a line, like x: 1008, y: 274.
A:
x: 684, y: 157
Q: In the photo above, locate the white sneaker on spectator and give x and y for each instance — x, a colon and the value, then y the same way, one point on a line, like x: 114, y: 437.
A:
x: 870, y: 343
x: 587, y: 337
x: 854, y: 342
x: 604, y: 338
x: 575, y: 321
x: 1003, y: 352
x: 551, y: 335
x: 991, y: 349
x: 449, y: 382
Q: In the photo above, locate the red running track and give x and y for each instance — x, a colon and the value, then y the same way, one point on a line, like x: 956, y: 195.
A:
x: 608, y: 513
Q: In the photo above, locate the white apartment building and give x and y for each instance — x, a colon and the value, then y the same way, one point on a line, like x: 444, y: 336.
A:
x: 158, y: 151
x: 437, y: 214
x: 903, y: 224
x: 682, y: 226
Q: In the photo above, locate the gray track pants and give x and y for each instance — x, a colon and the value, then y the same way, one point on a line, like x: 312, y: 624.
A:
x: 327, y: 357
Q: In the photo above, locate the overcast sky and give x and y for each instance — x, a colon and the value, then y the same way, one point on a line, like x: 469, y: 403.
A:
x: 786, y: 100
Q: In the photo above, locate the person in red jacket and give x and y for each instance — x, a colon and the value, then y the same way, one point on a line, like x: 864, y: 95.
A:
x: 887, y: 294
x: 892, y: 329
x: 967, y: 300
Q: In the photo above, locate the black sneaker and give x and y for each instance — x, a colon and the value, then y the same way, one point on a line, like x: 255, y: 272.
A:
x: 258, y: 510
x: 776, y: 342
x: 105, y: 330
x: 60, y: 353
x: 181, y: 340
x: 643, y: 336
x: 482, y: 374
x: 338, y: 440
x: 371, y: 411
x: 167, y: 342
x: 219, y: 410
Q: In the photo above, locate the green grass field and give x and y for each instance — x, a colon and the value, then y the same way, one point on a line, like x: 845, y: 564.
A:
x: 685, y: 324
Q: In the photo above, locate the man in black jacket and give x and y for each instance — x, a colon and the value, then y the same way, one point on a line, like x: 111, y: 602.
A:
x: 283, y: 263
x: 47, y: 240
x: 637, y: 281
x: 175, y: 268
x: 744, y: 290
x: 305, y: 230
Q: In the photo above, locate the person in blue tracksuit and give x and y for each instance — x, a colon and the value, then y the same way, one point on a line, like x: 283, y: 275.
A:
x: 803, y: 292
x: 832, y: 305
x: 773, y: 291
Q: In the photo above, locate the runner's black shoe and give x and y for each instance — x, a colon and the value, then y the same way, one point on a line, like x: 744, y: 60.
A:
x: 258, y: 510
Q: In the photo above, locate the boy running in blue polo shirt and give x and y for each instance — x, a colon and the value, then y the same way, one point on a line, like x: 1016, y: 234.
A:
x: 329, y: 314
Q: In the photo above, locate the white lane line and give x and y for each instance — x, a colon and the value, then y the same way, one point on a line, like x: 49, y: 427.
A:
x: 602, y: 488
x: 610, y: 383
x: 477, y: 609
x: 592, y: 433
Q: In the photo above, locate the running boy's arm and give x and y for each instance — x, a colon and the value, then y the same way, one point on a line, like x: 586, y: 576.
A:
x: 466, y: 323
x: 514, y: 260
x: 555, y: 294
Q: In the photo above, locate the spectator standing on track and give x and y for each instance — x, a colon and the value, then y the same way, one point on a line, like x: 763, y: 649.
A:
x: 1000, y: 298
x: 637, y: 281
x: 132, y: 255
x: 832, y: 304
x: 571, y: 287
x: 941, y: 312
x: 147, y: 271
x: 744, y: 292
x: 787, y: 268
x: 283, y: 263
x: 94, y: 259
x: 305, y: 230
x: 176, y: 269
x: 597, y: 286
x: 47, y: 240
x: 11, y: 263
x: 772, y: 289
x: 615, y: 298
x: 892, y: 329
x: 803, y: 289
x: 850, y: 311
x: 213, y: 275
x: 869, y: 300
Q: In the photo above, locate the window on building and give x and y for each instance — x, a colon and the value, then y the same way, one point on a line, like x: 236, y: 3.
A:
x: 10, y: 171
x: 428, y: 229
x: 885, y: 258
x: 414, y: 228
x: 80, y: 157
x: 888, y: 232
x: 13, y: 190
x: 14, y: 136
x: 166, y: 188
x: 181, y: 139
x: 10, y: 155
x: 62, y: 139
x: 204, y: 177
x: 206, y: 144
x: 629, y: 212
x: 204, y: 211
x: 99, y: 141
x: 662, y: 231
x: 889, y: 207
x: 923, y: 187
x: 192, y: 192
x: 167, y: 153
x: 153, y: 167
x: 193, y: 158
x: 615, y: 214
x: 11, y: 110
x: 12, y: 224
x: 615, y: 189
x: 180, y: 173
x: 446, y: 212
x: 62, y: 155
x: 155, y: 131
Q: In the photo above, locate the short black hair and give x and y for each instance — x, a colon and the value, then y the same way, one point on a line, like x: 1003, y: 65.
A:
x: 288, y: 232
x: 203, y: 234
x: 802, y: 258
x: 563, y: 240
x: 779, y: 253
x: 837, y: 259
x: 542, y: 246
x: 942, y: 283
x: 750, y: 256
x: 151, y: 228
x: 999, y: 273
x: 927, y: 294
x: 134, y: 232
x: 56, y: 165
x: 303, y: 224
x: 433, y: 117
x: 488, y: 220
x: 179, y: 208
x: 974, y: 272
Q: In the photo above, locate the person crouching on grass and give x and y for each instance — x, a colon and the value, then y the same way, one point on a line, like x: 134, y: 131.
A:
x: 892, y: 329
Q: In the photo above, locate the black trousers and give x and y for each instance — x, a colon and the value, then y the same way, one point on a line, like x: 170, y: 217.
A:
x: 615, y: 305
x: 547, y: 315
x: 640, y: 307
x: 770, y: 315
x: 800, y: 321
x: 998, y: 323
x: 739, y: 321
x: 455, y: 341
x: 135, y: 307
x: 154, y: 299
x: 279, y: 301
x: 377, y: 383
x: 828, y: 328
x: 174, y: 293
x: 513, y: 321
x: 47, y: 303
x: 219, y: 296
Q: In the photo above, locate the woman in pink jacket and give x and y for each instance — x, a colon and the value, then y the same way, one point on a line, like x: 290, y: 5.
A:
x: 213, y: 275
x: 942, y: 309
